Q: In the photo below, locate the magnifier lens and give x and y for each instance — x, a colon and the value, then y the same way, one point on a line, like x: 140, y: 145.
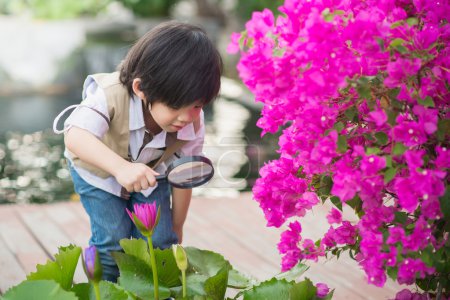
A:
x: 190, y: 173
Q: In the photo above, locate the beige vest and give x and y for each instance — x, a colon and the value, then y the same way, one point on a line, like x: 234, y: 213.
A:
x: 118, y: 136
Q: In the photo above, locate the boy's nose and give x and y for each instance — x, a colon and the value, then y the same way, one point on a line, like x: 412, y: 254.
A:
x: 186, y: 117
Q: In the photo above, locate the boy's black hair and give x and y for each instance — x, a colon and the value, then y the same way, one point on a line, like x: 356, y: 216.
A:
x: 177, y: 63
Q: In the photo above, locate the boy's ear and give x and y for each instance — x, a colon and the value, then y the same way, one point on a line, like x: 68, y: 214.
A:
x: 137, y: 88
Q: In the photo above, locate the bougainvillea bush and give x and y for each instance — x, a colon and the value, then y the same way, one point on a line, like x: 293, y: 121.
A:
x: 361, y: 92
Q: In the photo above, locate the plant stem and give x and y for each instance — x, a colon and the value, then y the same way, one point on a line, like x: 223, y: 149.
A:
x: 153, y: 263
x: 97, y: 290
x: 183, y: 280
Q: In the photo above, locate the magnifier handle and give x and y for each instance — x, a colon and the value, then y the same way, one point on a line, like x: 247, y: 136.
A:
x: 160, y: 177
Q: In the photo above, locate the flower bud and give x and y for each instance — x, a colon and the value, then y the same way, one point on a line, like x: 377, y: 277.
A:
x: 91, y: 264
x: 180, y: 257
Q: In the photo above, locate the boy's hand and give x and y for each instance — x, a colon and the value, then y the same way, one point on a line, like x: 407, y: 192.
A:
x: 135, y: 177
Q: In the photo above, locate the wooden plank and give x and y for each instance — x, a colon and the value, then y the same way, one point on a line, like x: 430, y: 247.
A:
x: 19, y: 240
x: 11, y: 271
x: 73, y: 225
x: 49, y: 234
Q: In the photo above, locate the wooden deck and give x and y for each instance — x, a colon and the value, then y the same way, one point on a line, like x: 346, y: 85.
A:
x: 31, y: 234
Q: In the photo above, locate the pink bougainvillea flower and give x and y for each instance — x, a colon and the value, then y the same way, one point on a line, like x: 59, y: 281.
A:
x: 443, y: 158
x: 335, y: 216
x: 379, y: 117
x: 233, y: 46
x: 400, y: 70
x: 412, y: 268
x: 145, y: 216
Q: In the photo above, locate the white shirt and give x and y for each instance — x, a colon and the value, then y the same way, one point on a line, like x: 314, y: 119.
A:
x: 85, y: 118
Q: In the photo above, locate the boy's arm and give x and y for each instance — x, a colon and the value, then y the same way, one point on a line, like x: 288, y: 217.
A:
x: 181, y: 198
x: 132, y: 176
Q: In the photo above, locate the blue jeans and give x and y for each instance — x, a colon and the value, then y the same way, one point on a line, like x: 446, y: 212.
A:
x: 110, y: 222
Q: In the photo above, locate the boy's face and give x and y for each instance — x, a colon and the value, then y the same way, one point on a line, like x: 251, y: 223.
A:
x: 172, y: 120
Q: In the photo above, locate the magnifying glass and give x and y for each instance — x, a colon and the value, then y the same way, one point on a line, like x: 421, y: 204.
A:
x: 184, y: 173
x: 188, y: 172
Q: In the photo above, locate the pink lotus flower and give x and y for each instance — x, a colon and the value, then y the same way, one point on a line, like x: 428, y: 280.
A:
x: 145, y: 217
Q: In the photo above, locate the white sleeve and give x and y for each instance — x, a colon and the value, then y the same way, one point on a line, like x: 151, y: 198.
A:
x: 195, y: 146
x: 92, y: 114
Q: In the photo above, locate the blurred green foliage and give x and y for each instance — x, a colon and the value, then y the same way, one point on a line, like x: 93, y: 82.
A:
x: 150, y: 8
x: 53, y: 9
x: 244, y: 9
x: 66, y: 9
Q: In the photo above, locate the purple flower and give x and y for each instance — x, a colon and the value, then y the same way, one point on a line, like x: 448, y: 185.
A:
x: 443, y: 158
x: 322, y: 289
x: 412, y: 268
x: 408, y: 132
x: 145, y: 217
x: 428, y: 118
x: 414, y: 159
x: 91, y: 264
x: 288, y: 246
x: 379, y: 117
x: 400, y: 70
x: 406, y: 294
x: 335, y: 216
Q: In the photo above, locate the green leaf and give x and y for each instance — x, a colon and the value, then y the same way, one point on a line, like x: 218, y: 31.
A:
x: 389, y: 174
x: 382, y: 138
x: 238, y: 280
x: 397, y: 42
x: 399, y: 149
x: 325, y: 186
x: 388, y: 160
x: 372, y: 150
x: 364, y: 91
x: 392, y: 272
x: 396, y: 24
x: 401, y: 49
x: 355, y: 203
x: 195, y: 284
x: 269, y: 290
x: 294, y: 273
x: 427, y: 102
x: 400, y: 217
x: 242, y: 39
x: 216, y: 286
x: 445, y: 203
x: 443, y: 129
x: 278, y: 52
x: 392, y: 117
x: 342, y: 143
x: 39, y: 289
x: 304, y: 290
x: 137, y: 248
x: 109, y: 290
x: 412, y: 21
x: 136, y: 276
x: 208, y: 263
x: 62, y: 269
x: 351, y: 113
x: 81, y: 290
x: 337, y: 202
x: 338, y: 126
x: 380, y: 43
x: 168, y: 272
x: 205, y: 262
